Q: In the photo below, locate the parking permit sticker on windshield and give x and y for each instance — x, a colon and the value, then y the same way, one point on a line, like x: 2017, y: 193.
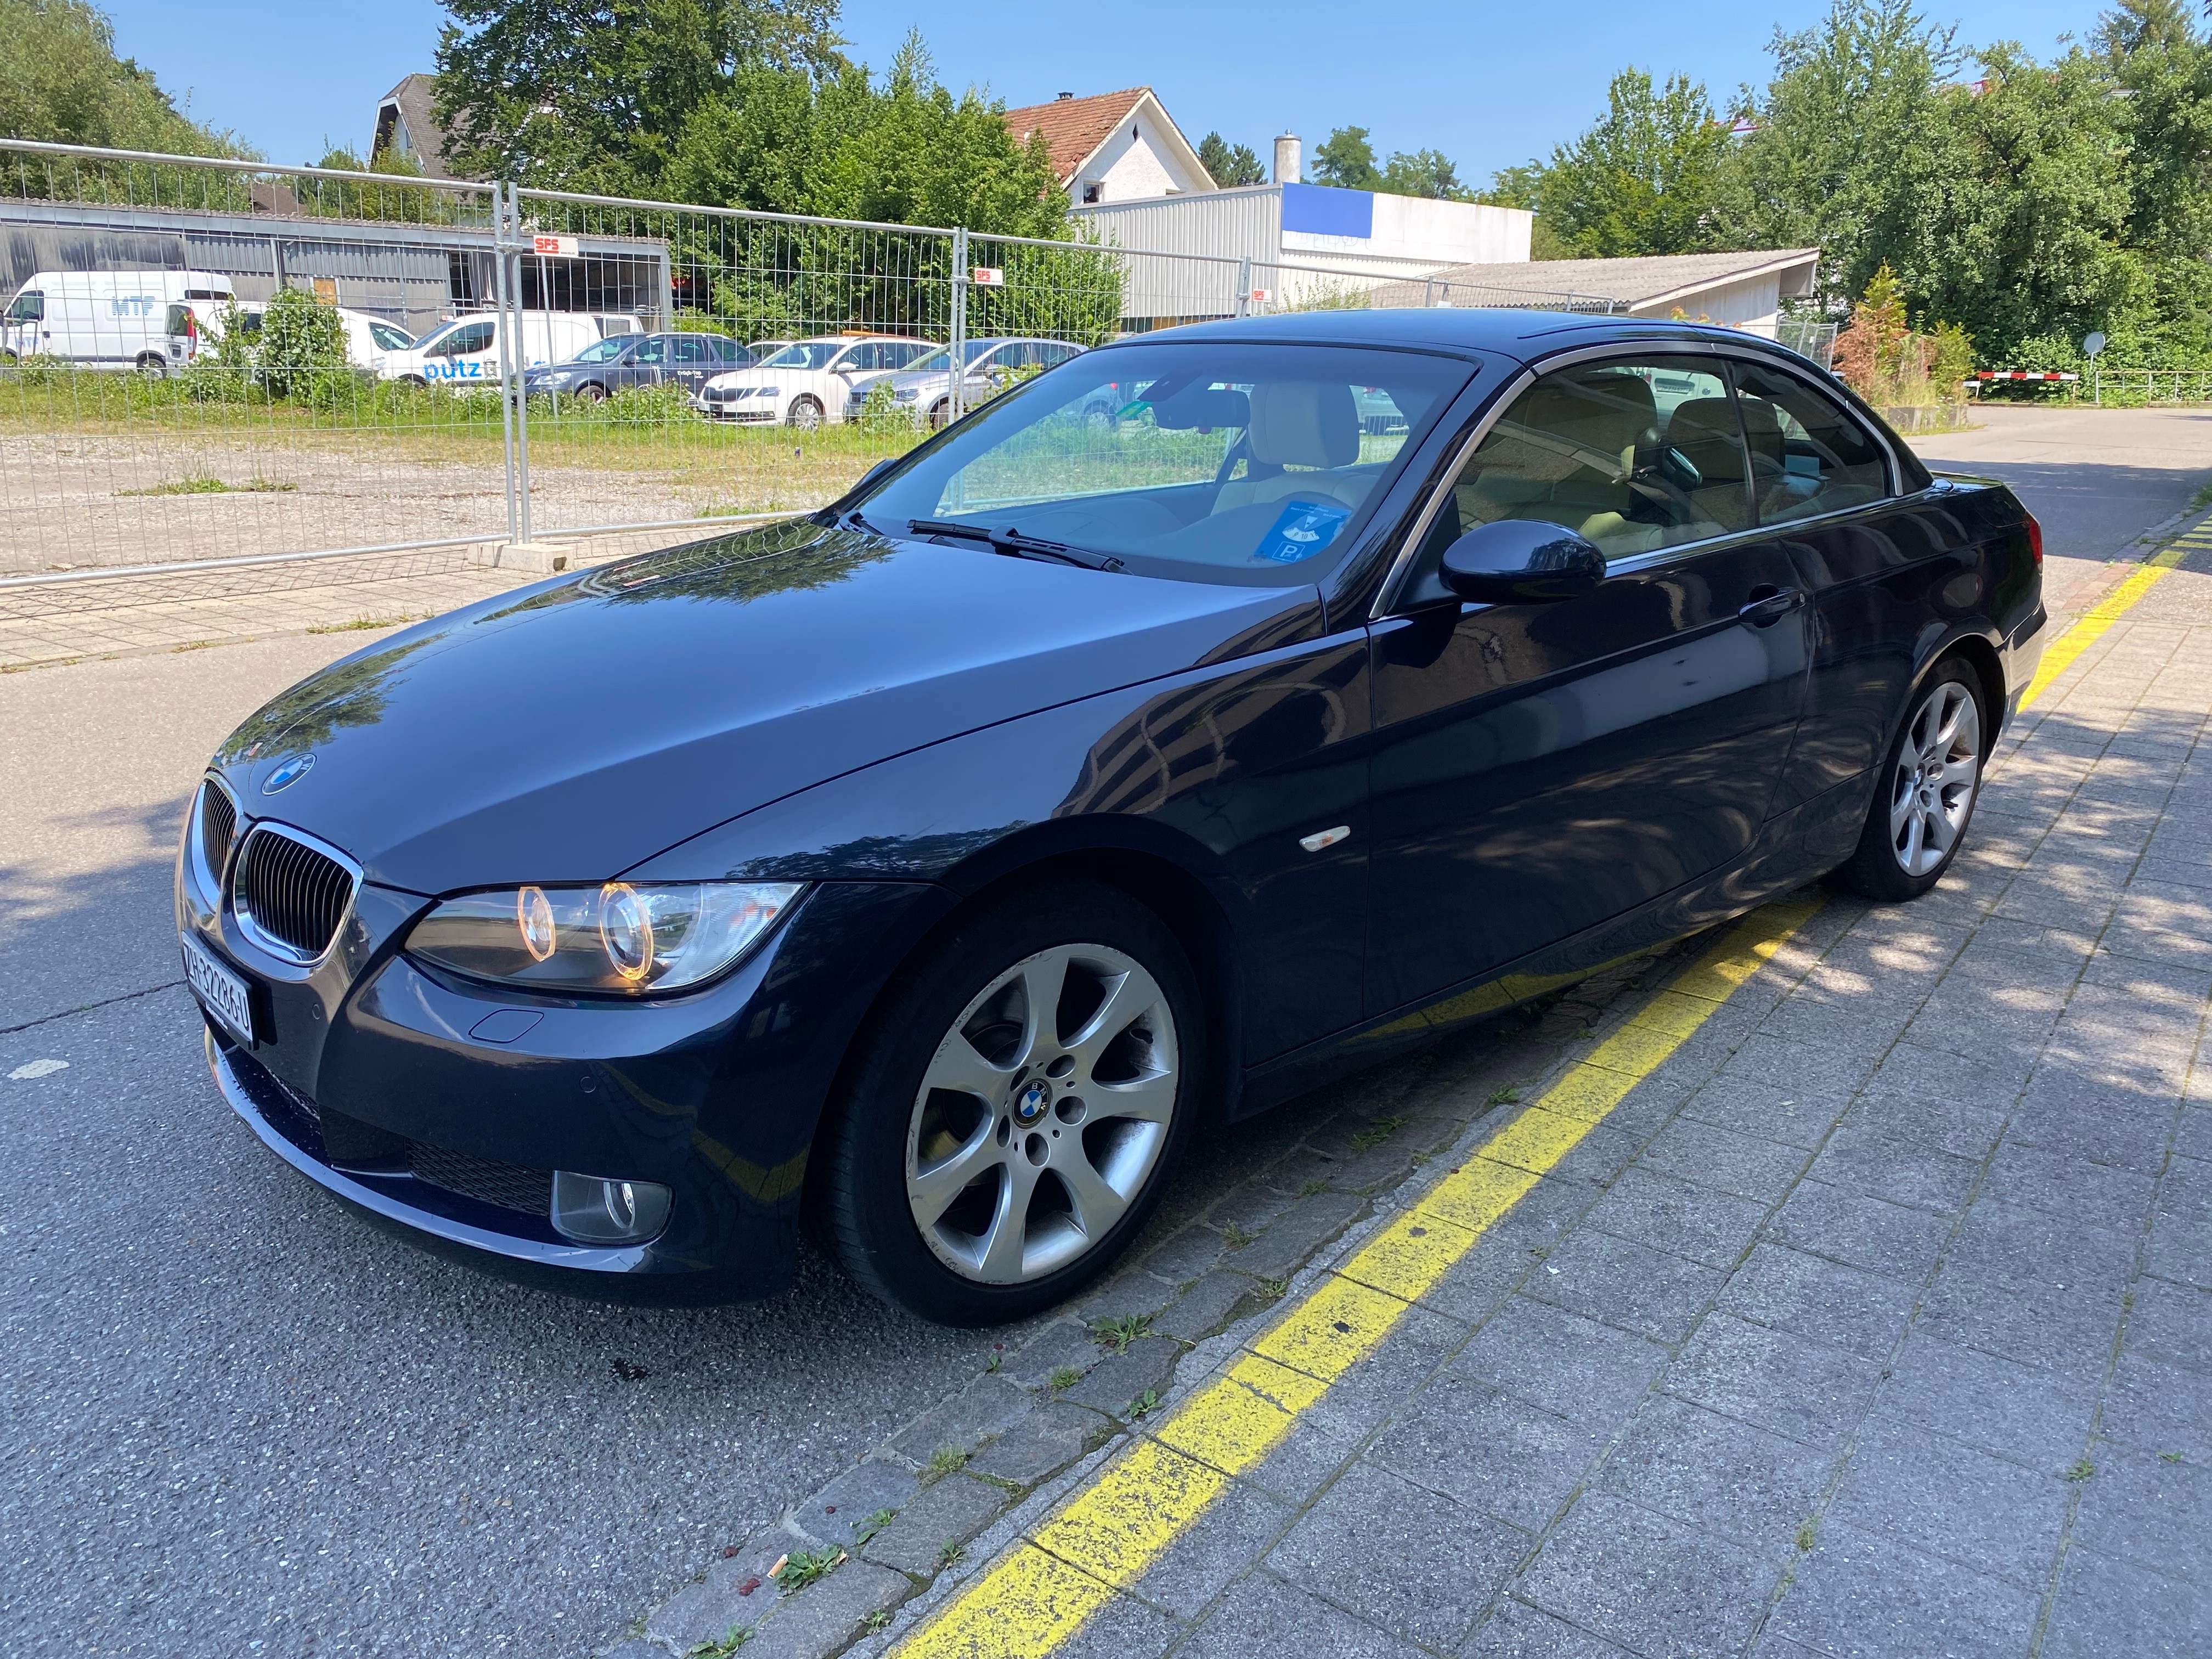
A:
x: 1303, y: 529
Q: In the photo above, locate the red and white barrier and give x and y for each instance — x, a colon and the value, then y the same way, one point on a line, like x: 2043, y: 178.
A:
x: 1981, y: 374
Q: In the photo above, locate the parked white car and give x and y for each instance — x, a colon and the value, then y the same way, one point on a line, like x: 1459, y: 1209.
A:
x: 370, y: 340
x: 107, y: 319
x: 926, y: 385
x: 809, y: 382
x: 466, y: 351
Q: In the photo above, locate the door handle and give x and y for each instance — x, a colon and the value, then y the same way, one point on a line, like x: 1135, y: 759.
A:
x: 1770, y: 606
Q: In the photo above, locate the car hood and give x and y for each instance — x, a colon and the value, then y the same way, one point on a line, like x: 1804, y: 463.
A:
x: 568, y: 732
x: 758, y: 376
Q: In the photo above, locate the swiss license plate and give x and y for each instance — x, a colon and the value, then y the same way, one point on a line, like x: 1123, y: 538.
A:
x: 223, y: 993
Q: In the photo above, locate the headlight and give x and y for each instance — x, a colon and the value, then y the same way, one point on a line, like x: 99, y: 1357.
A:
x: 906, y: 394
x: 615, y: 937
x: 767, y: 391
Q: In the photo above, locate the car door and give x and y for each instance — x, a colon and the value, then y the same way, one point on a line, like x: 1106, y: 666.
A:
x: 1541, y: 768
x: 691, y: 359
x: 1876, y: 567
x: 647, y: 365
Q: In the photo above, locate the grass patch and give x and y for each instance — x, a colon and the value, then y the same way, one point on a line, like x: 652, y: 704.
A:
x: 1237, y: 1237
x: 1063, y: 1378
x: 803, y: 1567
x: 2081, y: 1471
x: 360, y: 624
x: 1808, y: 1534
x: 1377, y: 1131
x: 946, y: 1460
x: 201, y: 484
x: 721, y: 1646
x: 1116, y: 1334
x: 1313, y: 1188
x: 2202, y: 498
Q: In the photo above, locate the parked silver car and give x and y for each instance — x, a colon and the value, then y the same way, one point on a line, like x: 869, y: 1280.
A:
x: 925, y: 384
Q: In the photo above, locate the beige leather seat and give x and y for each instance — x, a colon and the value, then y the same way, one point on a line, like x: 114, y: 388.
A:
x: 1302, y: 423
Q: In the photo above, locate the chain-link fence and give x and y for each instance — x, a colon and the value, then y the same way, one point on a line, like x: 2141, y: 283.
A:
x: 225, y: 365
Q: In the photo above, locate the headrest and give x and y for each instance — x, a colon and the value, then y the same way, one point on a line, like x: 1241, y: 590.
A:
x: 1702, y: 420
x: 1763, y: 427
x: 1196, y: 406
x: 1303, y: 423
x: 1610, y: 413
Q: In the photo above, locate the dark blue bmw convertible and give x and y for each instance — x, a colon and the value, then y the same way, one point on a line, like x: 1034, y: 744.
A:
x: 1224, y: 708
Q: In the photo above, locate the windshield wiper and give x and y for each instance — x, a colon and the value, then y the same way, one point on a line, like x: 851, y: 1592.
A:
x: 1014, y: 545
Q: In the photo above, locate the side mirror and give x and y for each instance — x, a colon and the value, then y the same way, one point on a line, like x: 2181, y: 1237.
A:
x: 1521, y: 561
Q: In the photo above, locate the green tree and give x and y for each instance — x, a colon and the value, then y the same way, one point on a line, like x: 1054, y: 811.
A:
x: 1642, y: 179
x: 1346, y: 161
x: 1842, y: 141
x: 61, y: 81
x: 1424, y: 172
x: 555, y: 93
x: 301, y: 340
x: 1230, y: 165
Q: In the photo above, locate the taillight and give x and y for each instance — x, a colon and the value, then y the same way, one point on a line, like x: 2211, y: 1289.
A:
x: 2035, y: 539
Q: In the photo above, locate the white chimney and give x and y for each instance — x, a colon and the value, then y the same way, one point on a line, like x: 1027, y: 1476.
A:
x: 1288, y: 158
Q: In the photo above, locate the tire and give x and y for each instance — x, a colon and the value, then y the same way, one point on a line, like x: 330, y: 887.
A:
x: 1925, y: 793
x: 413, y: 379
x: 979, y: 1168
x: 804, y: 414
x: 152, y: 368
x: 592, y: 393
x: 940, y: 415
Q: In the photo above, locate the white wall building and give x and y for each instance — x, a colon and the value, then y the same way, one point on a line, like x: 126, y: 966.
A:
x: 1741, y: 290
x: 1112, y: 146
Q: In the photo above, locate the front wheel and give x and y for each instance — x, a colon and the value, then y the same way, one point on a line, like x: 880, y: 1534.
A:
x: 805, y: 415
x: 1925, y: 798
x: 1015, y: 1107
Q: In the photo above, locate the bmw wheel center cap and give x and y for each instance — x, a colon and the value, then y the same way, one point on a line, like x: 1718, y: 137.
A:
x: 1029, y: 1104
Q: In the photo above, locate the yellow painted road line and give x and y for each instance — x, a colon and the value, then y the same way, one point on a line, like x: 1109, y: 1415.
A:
x: 1041, y: 1592
x: 2091, y: 626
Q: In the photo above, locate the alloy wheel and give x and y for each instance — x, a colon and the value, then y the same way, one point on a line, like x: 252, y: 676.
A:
x: 1041, y: 1114
x: 805, y: 415
x: 1939, y: 767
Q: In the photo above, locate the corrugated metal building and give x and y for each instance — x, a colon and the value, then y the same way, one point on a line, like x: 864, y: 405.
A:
x: 412, y: 275
x: 1308, y: 244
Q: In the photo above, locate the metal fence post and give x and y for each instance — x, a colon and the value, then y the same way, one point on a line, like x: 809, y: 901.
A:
x: 961, y: 278
x: 506, y: 353
x: 1244, y: 286
x: 521, y: 399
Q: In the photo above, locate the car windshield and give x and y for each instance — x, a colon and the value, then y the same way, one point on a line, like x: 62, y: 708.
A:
x: 388, y: 337
x: 600, y: 351
x: 1205, y: 460
x: 808, y: 354
x: 424, y: 341
x: 942, y: 357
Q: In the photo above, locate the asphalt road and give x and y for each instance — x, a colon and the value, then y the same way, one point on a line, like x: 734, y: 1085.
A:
x: 237, y: 1422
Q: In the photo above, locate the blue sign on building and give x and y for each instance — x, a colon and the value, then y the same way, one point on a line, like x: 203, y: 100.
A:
x: 1319, y: 211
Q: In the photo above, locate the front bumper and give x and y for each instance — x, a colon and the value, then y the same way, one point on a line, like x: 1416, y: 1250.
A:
x: 367, y: 1076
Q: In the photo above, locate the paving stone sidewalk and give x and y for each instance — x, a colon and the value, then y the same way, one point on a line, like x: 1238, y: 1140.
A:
x: 1877, y: 1321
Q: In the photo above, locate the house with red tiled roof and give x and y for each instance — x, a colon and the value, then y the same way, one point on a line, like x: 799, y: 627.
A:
x: 1112, y: 146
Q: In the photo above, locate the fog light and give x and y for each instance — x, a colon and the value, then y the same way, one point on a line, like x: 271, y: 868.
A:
x: 592, y: 1211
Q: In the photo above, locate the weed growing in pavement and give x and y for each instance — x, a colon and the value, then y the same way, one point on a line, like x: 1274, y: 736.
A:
x: 359, y: 623
x: 1237, y: 1239
x: 946, y: 1460
x: 1144, y: 1404
x: 1585, y: 1031
x: 1063, y: 1377
x: 736, y: 1637
x: 872, y: 1525
x: 2081, y: 1471
x: 877, y: 1621
x: 1505, y: 1096
x: 194, y: 644
x: 1116, y: 1334
x: 2170, y: 1457
x: 952, y: 1553
x: 997, y: 1360
x: 1274, y: 1288
x: 803, y: 1567
x: 1377, y: 1131
x: 201, y: 484
x: 1807, y: 1532
x: 1313, y: 1188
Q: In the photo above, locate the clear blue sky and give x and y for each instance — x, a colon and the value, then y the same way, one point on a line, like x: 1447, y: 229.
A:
x: 1487, y: 84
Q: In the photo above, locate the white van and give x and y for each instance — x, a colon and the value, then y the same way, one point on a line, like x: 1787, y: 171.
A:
x: 370, y: 340
x: 466, y: 351
x: 106, y: 318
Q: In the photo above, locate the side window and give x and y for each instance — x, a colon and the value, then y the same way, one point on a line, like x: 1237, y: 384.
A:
x: 689, y: 349
x: 654, y: 351
x: 461, y: 343
x: 1634, y: 455
x: 1054, y: 355
x: 1808, y: 455
x: 903, y: 352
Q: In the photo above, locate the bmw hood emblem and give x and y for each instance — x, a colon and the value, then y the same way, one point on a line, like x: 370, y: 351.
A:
x: 288, y: 773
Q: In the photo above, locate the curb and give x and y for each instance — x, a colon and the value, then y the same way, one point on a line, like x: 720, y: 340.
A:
x: 919, y: 1514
